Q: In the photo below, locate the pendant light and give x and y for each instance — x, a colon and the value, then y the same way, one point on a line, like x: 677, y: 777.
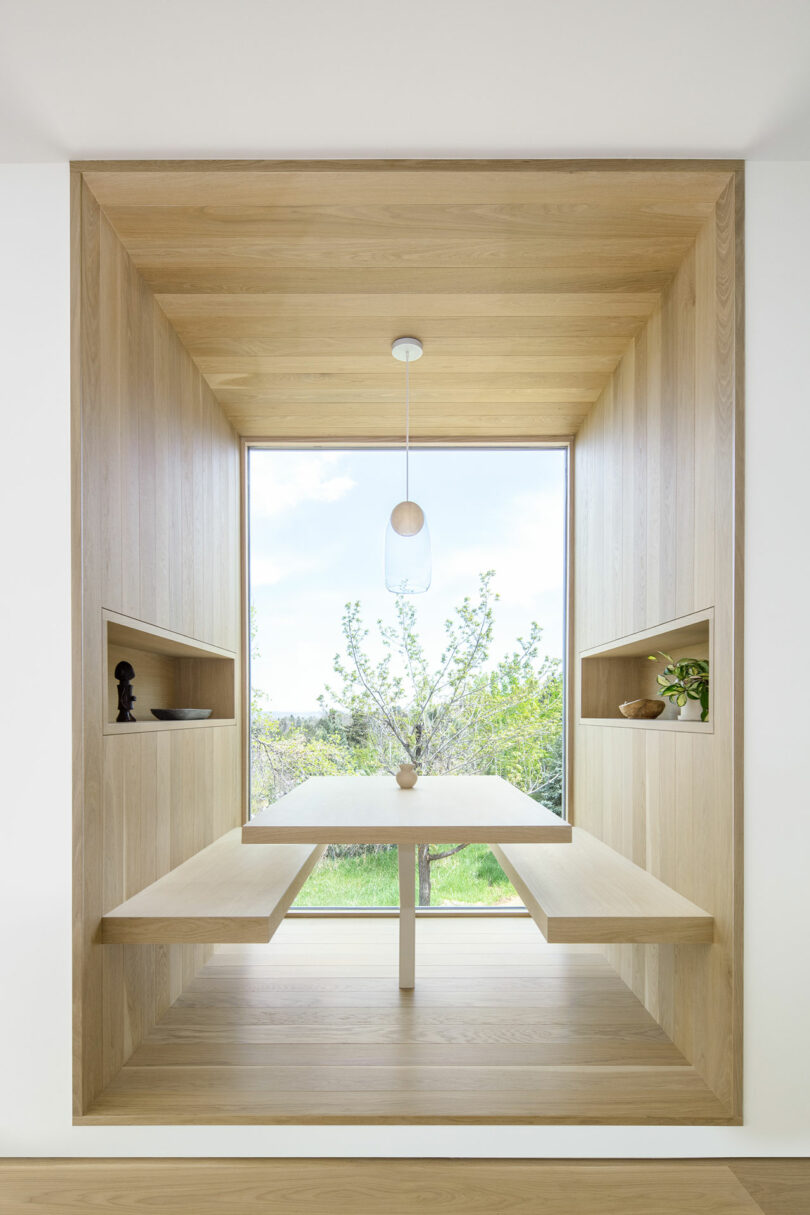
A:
x: 407, y: 540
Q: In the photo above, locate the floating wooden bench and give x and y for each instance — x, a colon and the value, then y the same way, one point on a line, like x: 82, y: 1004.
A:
x: 587, y: 893
x: 226, y: 893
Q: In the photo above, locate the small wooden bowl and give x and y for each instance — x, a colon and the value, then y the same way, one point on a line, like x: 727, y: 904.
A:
x: 638, y: 709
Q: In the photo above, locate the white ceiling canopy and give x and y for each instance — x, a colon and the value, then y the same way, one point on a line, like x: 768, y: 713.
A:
x: 315, y: 78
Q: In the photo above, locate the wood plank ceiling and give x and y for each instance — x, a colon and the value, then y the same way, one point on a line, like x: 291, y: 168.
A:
x: 288, y: 282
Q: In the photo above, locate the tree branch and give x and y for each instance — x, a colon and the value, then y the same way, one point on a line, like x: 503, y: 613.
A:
x: 439, y: 856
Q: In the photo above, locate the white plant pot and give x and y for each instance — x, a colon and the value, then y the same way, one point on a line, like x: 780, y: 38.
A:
x: 691, y: 711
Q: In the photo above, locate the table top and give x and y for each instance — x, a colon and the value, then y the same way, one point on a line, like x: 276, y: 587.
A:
x: 374, y: 810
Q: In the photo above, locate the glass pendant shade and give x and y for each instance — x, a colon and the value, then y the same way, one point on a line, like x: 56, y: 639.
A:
x: 407, y: 553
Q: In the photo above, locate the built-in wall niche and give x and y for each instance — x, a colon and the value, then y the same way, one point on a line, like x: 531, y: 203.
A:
x: 171, y: 672
x: 621, y: 670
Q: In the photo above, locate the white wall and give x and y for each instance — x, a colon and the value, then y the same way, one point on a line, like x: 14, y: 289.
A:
x: 34, y: 734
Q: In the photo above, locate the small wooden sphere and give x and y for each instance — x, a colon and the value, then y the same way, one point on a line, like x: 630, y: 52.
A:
x: 407, y: 519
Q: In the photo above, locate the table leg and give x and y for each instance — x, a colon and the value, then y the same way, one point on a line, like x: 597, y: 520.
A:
x: 407, y: 914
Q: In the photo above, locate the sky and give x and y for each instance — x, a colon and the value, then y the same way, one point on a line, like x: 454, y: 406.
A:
x: 317, y: 541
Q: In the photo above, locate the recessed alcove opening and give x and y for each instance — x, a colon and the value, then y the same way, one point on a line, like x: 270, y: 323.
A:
x: 622, y: 671
x: 171, y: 672
x: 597, y: 307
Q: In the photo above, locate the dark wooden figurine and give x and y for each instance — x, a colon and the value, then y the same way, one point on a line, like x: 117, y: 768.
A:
x: 124, y: 673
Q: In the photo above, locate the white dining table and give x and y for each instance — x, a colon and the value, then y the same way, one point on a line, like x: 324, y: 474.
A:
x: 374, y: 810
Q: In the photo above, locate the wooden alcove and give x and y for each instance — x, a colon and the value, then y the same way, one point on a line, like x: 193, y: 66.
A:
x: 596, y: 305
x: 171, y: 672
x: 620, y: 670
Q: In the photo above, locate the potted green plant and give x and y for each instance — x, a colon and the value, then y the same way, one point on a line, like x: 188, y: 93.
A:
x: 685, y: 681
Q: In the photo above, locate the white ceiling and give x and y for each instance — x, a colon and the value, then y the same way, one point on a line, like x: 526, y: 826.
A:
x: 433, y: 78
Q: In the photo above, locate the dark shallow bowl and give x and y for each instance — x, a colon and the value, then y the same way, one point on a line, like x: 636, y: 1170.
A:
x: 180, y: 714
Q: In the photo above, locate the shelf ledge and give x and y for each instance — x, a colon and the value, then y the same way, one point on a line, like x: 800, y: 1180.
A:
x: 151, y: 727
x: 680, y: 727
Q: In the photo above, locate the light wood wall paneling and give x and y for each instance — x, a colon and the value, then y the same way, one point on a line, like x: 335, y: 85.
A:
x: 207, y: 683
x: 679, y: 185
x: 113, y: 1003
x: 732, y: 338
x: 165, y: 796
x: 156, y: 533
x: 90, y: 455
x: 77, y: 636
x: 525, y: 283
x: 658, y: 536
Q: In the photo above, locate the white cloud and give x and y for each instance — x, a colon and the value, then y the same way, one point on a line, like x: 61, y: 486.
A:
x: 528, y: 560
x: 300, y: 477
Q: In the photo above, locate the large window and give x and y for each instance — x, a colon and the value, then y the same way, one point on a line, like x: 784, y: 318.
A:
x: 348, y: 678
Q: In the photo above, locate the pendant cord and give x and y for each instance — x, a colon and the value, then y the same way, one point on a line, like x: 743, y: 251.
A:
x: 407, y: 424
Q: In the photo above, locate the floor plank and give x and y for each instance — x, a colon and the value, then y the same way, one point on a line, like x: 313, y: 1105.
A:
x: 781, y: 1186
x: 371, y: 1187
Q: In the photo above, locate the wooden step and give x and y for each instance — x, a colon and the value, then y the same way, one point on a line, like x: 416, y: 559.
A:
x: 226, y: 893
x: 587, y: 893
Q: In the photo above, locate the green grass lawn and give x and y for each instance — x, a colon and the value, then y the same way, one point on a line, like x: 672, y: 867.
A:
x: 472, y: 876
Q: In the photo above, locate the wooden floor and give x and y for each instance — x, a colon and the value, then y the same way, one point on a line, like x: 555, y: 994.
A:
x: 393, y: 1187
x: 500, y: 1027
